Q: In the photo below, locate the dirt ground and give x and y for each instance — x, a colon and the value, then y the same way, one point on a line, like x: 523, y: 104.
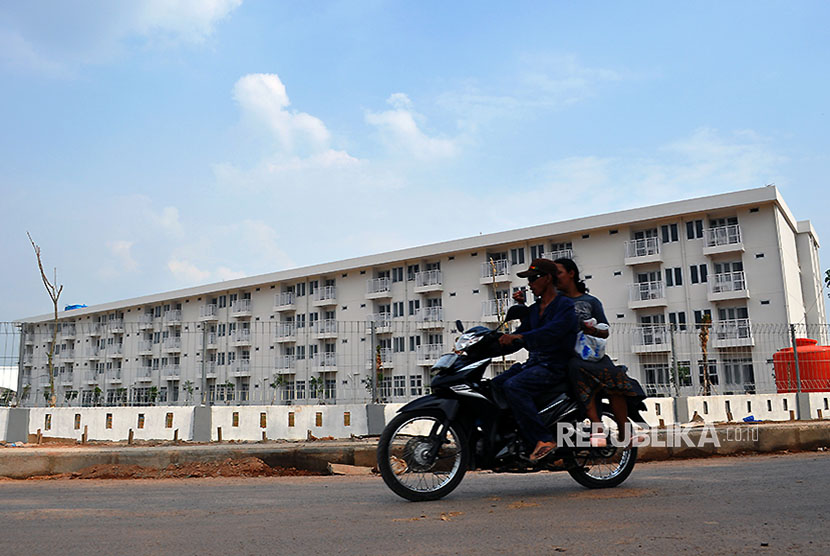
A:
x: 243, y: 467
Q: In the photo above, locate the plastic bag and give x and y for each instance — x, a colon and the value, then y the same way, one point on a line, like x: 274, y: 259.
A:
x: 591, y: 348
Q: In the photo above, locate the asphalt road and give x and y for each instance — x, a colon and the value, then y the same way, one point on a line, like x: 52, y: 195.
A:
x: 740, y: 505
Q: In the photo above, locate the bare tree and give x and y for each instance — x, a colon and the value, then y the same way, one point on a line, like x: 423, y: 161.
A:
x: 54, y: 292
x: 705, y: 325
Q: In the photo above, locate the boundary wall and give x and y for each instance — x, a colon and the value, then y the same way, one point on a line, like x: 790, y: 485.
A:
x: 285, y: 422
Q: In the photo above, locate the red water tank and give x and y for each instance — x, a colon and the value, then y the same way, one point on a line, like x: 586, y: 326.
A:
x: 813, y: 366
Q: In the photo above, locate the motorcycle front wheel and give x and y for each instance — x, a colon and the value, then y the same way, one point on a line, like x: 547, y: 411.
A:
x: 416, y: 462
x: 604, y: 467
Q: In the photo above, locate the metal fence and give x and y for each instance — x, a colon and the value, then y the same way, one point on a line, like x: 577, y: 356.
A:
x: 172, y: 362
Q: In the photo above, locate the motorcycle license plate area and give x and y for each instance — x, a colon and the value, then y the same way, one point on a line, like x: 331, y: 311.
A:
x: 446, y: 361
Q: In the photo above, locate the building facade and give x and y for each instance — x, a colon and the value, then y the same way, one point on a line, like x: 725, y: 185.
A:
x: 315, y: 334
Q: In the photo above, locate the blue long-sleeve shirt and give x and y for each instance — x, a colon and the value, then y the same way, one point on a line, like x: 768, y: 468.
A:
x: 551, y: 336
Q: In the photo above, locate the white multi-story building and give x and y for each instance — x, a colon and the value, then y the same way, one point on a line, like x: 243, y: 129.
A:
x: 314, y: 334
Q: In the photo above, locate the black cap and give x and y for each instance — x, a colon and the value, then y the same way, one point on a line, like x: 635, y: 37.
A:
x: 538, y: 266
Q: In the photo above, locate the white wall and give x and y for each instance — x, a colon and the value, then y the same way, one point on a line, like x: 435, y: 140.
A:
x: 123, y: 419
x: 4, y: 422
x: 819, y: 401
x: 277, y: 418
x: 715, y: 407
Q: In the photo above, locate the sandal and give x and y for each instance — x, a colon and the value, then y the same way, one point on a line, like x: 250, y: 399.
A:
x: 542, y: 450
x: 598, y: 440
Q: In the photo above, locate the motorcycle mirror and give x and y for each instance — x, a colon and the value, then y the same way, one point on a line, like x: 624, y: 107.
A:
x: 517, y: 312
x: 459, y: 326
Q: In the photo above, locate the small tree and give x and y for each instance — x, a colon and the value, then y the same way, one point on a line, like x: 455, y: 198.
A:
x: 96, y: 395
x: 153, y: 394
x: 276, y: 383
x: 187, y: 386
x: 705, y: 325
x: 54, y: 292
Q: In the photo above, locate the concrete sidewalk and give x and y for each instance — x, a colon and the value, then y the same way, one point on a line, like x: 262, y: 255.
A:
x: 723, y: 439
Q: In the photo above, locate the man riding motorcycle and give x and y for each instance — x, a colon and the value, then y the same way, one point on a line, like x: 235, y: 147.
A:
x: 549, y: 334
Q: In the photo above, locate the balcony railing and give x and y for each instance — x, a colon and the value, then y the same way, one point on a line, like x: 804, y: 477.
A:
x: 285, y: 362
x: 429, y: 352
x: 733, y: 329
x: 173, y: 316
x: 560, y: 254
x: 145, y: 373
x: 430, y: 314
x: 171, y: 370
x: 727, y: 282
x: 68, y: 330
x: 325, y: 294
x: 428, y: 278
x: 173, y: 343
x: 381, y: 320
x: 645, y: 291
x: 722, y: 235
x: 378, y: 285
x: 241, y: 367
x: 67, y: 354
x: 114, y: 375
x: 67, y: 378
x: 327, y: 326
x: 495, y: 308
x: 91, y: 376
x: 495, y: 269
x: 642, y: 247
x: 145, y: 347
x: 145, y: 320
x: 241, y: 336
x: 116, y: 325
x: 385, y: 358
x: 325, y: 359
x: 208, y: 312
x: 241, y: 307
x: 652, y: 335
x: 92, y: 352
x: 286, y: 330
x: 284, y: 301
x: 115, y: 350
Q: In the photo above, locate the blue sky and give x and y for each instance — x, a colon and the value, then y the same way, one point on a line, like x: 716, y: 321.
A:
x: 159, y: 144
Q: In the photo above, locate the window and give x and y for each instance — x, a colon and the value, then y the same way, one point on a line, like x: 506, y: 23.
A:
x: 399, y: 344
x: 669, y: 232
x: 517, y: 256
x: 300, y: 289
x: 397, y: 309
x: 694, y: 229
x: 384, y: 274
x: 684, y: 375
x: 699, y: 316
x: 644, y: 234
x: 656, y: 373
x: 678, y: 319
x: 411, y: 271
x: 414, y: 306
x: 721, y: 222
x: 536, y: 251
x: 399, y: 386
x: 699, y: 273
x: 312, y: 285
x: 415, y: 385
x: 713, y: 372
x: 300, y: 321
x: 414, y: 342
x: 738, y: 372
x: 397, y: 274
x: 674, y: 276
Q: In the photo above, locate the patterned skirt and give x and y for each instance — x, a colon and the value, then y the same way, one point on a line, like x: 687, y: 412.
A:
x: 589, y: 377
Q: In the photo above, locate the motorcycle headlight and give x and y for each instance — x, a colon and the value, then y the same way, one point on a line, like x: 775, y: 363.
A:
x: 467, y: 340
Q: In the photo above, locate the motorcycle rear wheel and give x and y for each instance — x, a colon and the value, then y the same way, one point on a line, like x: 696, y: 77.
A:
x: 404, y: 461
x: 604, y: 467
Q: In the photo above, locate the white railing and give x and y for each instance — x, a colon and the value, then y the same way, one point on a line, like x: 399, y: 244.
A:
x: 645, y: 291
x: 241, y: 366
x: 43, y: 380
x: 68, y: 330
x: 429, y: 352
x: 173, y: 315
x: 145, y: 320
x: 115, y: 350
x: 114, y: 375
x: 495, y: 307
x: 91, y: 376
x: 94, y: 329
x: 385, y: 357
x: 241, y: 306
x: 378, y: 285
x: 327, y: 326
x: 380, y: 319
x: 115, y: 325
x: 210, y: 369
x: 93, y: 352
x: 284, y: 299
x: 145, y: 345
x: 495, y: 269
x: 208, y: 311
x: 727, y: 282
x: 653, y: 335
x: 66, y: 378
x: 286, y: 329
x: 428, y: 278
x: 325, y: 293
x: 431, y: 314
x: 642, y: 247
x: 733, y: 329
x: 722, y: 235
x: 285, y: 361
x: 174, y: 342
x: 144, y: 372
x: 241, y: 335
x: 67, y: 354
x: 171, y: 370
x: 325, y: 359
x: 560, y: 254
x: 210, y: 339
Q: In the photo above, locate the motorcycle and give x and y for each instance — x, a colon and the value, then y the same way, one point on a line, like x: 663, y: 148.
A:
x: 426, y: 449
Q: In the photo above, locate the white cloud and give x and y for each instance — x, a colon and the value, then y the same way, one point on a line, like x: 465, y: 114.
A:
x: 187, y: 272
x: 263, y: 99
x: 185, y: 20
x: 121, y: 250
x: 399, y: 130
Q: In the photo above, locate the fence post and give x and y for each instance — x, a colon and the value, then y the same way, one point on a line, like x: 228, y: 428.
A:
x: 802, y: 400
x: 204, y: 365
x: 21, y: 327
x: 373, y: 362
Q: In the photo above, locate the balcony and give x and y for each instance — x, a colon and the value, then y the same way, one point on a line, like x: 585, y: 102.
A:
x: 67, y: 378
x: 385, y: 359
x: 241, y: 337
x: 241, y: 308
x: 285, y: 363
x: 173, y: 317
x: 115, y: 351
x: 145, y: 347
x: 116, y: 326
x: 94, y: 329
x: 732, y: 333
x: 727, y: 286
x: 378, y: 288
x: 286, y: 332
x: 430, y: 317
x: 652, y: 338
x: 171, y: 372
x: 284, y: 301
x: 209, y: 312
x: 210, y: 369
x: 68, y: 331
x: 326, y: 329
x: 91, y: 377
x: 495, y: 272
x: 494, y: 310
x: 428, y: 354
x: 560, y: 254
x: 172, y: 344
x: 325, y: 296
x: 723, y: 239
x: 29, y: 359
x: 145, y: 321
x: 114, y: 376
x: 43, y: 380
x: 382, y: 323
x: 429, y: 281
x: 325, y: 360
x: 67, y: 355
x: 643, y: 251
x: 93, y: 353
x: 241, y: 367
x: 644, y: 295
x: 144, y: 374
x: 210, y: 341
